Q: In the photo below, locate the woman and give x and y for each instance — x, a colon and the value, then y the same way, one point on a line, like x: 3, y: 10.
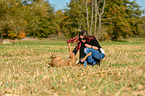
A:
x: 82, y: 39
x: 92, y: 45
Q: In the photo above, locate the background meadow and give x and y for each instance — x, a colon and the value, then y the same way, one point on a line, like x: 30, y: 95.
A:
x: 24, y: 70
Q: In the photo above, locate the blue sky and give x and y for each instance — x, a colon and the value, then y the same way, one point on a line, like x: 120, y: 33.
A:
x: 60, y: 4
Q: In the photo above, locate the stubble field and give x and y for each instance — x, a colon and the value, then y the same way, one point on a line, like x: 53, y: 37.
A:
x: 24, y: 70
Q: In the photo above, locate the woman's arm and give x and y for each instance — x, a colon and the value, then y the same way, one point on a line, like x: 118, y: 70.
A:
x: 90, y: 46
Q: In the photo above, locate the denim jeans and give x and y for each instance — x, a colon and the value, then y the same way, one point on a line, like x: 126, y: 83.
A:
x: 95, y: 55
x: 86, y: 62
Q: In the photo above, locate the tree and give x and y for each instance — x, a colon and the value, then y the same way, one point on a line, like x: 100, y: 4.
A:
x: 119, y: 17
x: 59, y: 16
x: 142, y: 27
x: 39, y: 18
x: 35, y: 18
x: 92, y: 17
x: 74, y: 18
x: 124, y: 18
x: 100, y: 12
x: 88, y: 11
x: 10, y: 18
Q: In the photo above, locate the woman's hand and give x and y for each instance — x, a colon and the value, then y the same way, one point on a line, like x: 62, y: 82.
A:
x: 90, y: 46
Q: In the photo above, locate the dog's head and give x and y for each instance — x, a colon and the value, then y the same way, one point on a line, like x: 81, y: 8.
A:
x: 54, y: 57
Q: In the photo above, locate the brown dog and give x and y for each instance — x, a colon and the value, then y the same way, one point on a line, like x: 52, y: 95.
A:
x: 58, y: 61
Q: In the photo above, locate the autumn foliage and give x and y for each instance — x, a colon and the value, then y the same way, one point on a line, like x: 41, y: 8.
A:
x: 21, y: 35
x: 106, y: 19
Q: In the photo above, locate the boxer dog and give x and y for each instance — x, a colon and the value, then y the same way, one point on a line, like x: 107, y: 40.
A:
x: 58, y: 61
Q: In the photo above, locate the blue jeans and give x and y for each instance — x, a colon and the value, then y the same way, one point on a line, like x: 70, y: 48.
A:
x: 95, y: 55
x: 86, y: 62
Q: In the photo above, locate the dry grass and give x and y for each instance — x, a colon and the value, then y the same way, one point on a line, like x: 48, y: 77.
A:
x: 24, y: 71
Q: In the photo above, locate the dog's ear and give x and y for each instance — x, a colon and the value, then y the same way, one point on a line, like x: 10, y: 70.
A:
x: 52, y: 56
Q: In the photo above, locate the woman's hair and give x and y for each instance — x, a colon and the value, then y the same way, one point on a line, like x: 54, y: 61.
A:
x: 77, y: 38
x: 84, y: 34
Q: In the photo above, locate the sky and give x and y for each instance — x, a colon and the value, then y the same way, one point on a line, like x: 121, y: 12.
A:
x: 60, y: 4
x: 141, y: 3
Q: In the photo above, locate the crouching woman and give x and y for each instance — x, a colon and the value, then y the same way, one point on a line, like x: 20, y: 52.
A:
x: 92, y: 45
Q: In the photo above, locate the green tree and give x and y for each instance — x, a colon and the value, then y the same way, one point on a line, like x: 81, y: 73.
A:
x: 39, y: 16
x: 142, y: 27
x: 124, y: 18
x: 11, y: 22
x: 59, y: 16
x: 33, y: 17
x: 120, y: 17
x: 75, y: 18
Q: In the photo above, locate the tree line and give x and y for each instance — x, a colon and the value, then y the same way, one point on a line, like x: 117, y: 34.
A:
x: 106, y: 19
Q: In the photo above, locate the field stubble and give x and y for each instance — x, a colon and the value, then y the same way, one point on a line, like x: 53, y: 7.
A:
x: 24, y: 71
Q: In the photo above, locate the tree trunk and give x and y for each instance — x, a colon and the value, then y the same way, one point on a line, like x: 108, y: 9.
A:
x: 100, y: 16
x: 92, y: 17
x: 87, y: 16
x: 1, y: 39
x: 96, y: 17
